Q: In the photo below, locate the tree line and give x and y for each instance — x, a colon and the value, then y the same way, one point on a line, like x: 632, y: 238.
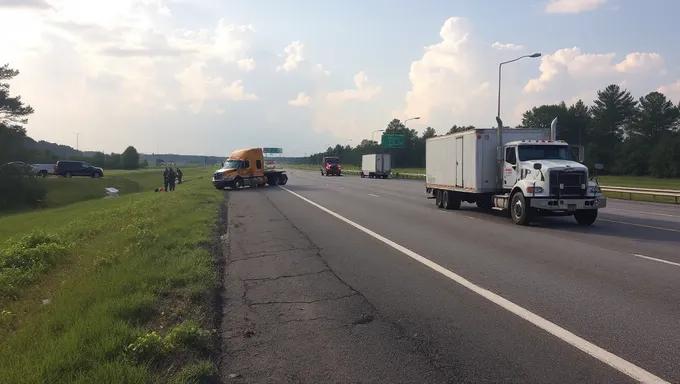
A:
x: 629, y: 136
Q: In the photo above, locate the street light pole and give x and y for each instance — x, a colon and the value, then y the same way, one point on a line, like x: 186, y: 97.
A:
x: 412, y: 118
x: 373, y: 133
x: 77, y: 144
x: 500, y: 68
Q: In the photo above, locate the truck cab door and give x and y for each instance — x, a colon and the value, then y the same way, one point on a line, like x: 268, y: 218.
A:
x: 510, y: 168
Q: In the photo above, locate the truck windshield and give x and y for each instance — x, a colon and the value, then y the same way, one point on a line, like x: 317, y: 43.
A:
x: 543, y: 152
x: 232, y: 163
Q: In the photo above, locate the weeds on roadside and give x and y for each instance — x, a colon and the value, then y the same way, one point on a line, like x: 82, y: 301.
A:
x: 27, y: 259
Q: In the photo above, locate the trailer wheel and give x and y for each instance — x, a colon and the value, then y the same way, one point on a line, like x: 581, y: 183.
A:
x: 451, y: 200
x: 519, y: 209
x: 439, y: 199
x: 283, y: 180
x: 362, y: 175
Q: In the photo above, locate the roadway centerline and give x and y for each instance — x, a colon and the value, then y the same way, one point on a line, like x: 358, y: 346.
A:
x: 370, y: 194
x: 616, y: 362
x: 657, y: 260
x: 641, y: 212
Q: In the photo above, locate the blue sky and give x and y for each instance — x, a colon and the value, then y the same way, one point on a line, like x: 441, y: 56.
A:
x: 201, y: 77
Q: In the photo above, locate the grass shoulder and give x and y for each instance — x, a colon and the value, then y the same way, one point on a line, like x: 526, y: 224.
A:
x: 114, y: 290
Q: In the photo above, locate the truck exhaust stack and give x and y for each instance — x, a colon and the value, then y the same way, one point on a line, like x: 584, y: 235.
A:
x: 553, y: 130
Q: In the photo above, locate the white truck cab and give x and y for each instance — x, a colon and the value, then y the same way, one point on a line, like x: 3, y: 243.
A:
x: 545, y: 175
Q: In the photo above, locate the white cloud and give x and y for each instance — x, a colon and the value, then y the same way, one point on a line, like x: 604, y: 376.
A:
x: 293, y: 56
x: 236, y: 92
x: 672, y: 91
x: 302, y: 100
x: 362, y: 92
x: 246, y: 64
x: 573, y: 6
x: 641, y: 62
x: 595, y: 66
x: 506, y: 47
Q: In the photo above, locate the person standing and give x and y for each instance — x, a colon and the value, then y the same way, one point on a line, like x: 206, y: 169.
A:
x: 179, y: 176
x: 166, y: 179
x: 171, y: 178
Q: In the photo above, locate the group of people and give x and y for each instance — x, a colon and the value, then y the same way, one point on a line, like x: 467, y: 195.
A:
x: 170, y: 176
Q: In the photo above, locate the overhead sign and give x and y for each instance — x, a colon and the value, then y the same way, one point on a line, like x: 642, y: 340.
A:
x: 272, y: 150
x: 392, y: 141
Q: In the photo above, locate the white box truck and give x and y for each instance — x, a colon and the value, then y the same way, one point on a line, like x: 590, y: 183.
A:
x: 524, y: 171
x: 376, y: 165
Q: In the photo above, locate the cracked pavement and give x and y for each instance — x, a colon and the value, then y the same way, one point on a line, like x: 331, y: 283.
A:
x: 288, y: 318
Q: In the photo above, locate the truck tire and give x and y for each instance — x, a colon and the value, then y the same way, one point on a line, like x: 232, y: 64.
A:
x: 283, y: 179
x: 274, y: 181
x: 42, y: 173
x: 362, y: 175
x: 451, y: 200
x: 586, y: 216
x: 438, y: 198
x: 238, y: 183
x: 519, y: 211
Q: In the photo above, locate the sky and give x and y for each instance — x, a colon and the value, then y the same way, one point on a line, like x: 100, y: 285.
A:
x: 210, y: 76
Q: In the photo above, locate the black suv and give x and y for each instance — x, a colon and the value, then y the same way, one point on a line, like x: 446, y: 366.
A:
x: 77, y: 168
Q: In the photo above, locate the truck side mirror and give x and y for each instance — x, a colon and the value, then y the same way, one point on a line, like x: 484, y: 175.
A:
x: 538, y: 166
x: 599, y: 166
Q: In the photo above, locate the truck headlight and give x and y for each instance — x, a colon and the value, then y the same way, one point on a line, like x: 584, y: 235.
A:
x: 534, y: 189
x: 594, y: 189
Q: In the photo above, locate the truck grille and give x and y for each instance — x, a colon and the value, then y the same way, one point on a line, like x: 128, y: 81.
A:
x: 567, y: 183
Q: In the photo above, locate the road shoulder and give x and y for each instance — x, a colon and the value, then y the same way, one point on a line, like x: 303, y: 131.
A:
x: 288, y: 318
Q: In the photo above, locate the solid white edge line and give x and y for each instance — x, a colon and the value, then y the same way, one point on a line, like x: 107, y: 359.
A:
x: 641, y: 212
x: 370, y: 194
x: 616, y: 362
x: 657, y: 260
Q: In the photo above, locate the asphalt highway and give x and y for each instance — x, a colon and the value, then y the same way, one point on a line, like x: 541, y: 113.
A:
x: 489, y: 301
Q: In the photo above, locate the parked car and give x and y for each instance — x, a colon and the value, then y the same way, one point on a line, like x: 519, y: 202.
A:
x: 68, y: 168
x: 19, y: 167
x: 43, y: 170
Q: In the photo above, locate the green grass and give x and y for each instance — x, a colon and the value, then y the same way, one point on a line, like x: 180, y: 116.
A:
x: 62, y: 191
x: 111, y: 290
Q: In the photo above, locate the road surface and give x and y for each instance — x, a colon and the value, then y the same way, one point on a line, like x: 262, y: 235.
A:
x: 486, y: 300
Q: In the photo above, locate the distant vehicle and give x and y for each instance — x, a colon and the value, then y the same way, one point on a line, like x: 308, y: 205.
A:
x: 248, y: 167
x: 331, y: 166
x: 69, y: 168
x: 19, y: 166
x: 43, y: 170
x: 376, y: 165
x: 525, y: 171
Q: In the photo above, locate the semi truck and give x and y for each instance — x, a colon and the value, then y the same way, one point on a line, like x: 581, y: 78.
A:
x: 376, y: 165
x: 525, y: 172
x: 248, y: 167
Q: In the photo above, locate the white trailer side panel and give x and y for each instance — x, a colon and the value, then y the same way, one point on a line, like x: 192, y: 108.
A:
x: 368, y: 163
x: 466, y: 161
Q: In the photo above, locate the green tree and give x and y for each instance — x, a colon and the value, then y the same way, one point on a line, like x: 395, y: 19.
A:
x: 429, y: 132
x: 613, y: 111
x: 456, y: 128
x: 130, y: 158
x: 13, y: 116
x: 657, y: 117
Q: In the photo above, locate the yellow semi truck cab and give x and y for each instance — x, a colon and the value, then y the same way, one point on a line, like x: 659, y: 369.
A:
x: 246, y: 167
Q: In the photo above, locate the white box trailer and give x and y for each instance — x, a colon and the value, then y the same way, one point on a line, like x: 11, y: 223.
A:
x: 524, y: 171
x: 376, y: 165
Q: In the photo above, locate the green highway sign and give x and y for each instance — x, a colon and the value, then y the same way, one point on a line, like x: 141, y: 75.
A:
x: 392, y: 141
x: 272, y: 150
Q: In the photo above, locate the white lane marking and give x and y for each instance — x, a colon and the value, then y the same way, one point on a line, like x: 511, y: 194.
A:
x: 657, y: 260
x: 616, y: 362
x: 642, y: 213
x: 370, y: 194
x: 470, y: 217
